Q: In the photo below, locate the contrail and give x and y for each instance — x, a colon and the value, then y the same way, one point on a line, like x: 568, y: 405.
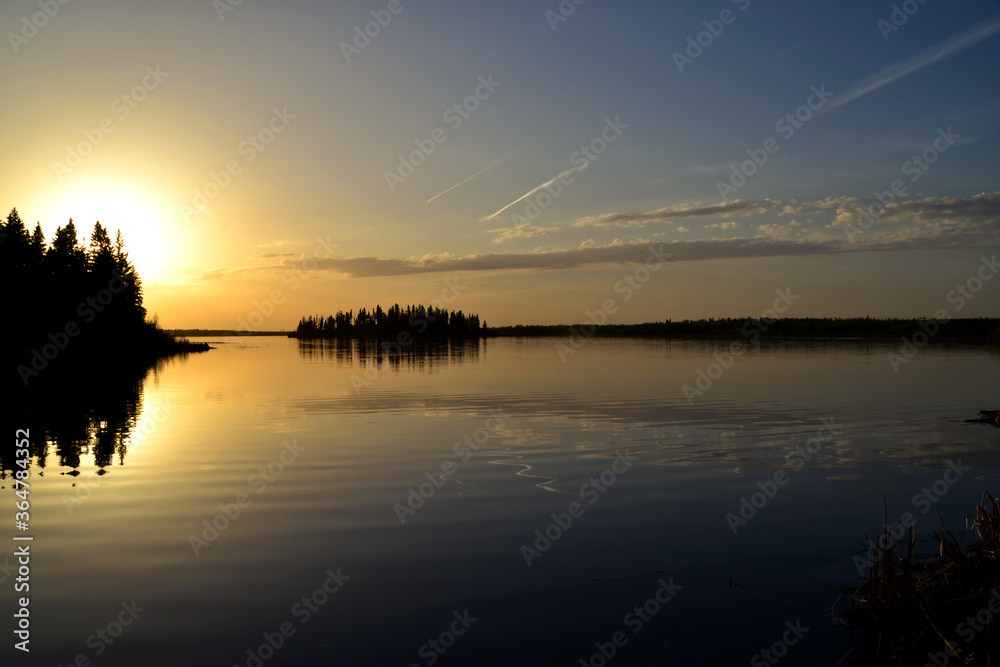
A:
x: 534, y: 190
x: 470, y: 177
x: 927, y: 57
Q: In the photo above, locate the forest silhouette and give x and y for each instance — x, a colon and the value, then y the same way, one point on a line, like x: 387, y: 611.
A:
x: 415, y: 321
x: 54, y: 279
x: 76, y: 343
x: 75, y: 303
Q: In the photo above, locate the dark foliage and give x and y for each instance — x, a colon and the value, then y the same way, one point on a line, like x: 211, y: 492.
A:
x: 968, y: 329
x: 71, y: 308
x: 66, y: 281
x: 417, y: 321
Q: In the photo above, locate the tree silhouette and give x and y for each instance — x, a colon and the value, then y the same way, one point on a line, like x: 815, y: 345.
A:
x: 71, y: 282
x: 415, y: 321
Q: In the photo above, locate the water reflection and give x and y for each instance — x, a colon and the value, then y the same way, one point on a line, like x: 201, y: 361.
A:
x: 422, y: 356
x: 365, y: 447
x: 79, y: 414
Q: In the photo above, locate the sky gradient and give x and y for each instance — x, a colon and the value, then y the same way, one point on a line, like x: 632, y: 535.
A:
x: 274, y: 158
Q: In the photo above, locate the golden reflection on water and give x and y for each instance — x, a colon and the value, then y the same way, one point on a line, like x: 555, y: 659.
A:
x: 127, y: 472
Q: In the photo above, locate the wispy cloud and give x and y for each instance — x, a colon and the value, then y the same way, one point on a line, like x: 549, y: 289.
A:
x: 273, y: 255
x: 930, y: 223
x: 546, y: 184
x: 478, y: 173
x: 528, y: 231
x: 925, y: 58
x: 629, y: 253
x: 711, y: 168
x: 788, y: 50
x: 737, y: 207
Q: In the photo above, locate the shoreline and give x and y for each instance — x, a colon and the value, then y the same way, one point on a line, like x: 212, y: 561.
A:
x: 969, y: 331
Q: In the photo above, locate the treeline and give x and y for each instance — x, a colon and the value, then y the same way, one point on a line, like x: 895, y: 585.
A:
x: 417, y: 320
x: 93, y: 285
x: 73, y: 306
x: 231, y: 333
x: 966, y: 329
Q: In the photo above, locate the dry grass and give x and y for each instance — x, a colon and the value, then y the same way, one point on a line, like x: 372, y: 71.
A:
x: 912, y: 605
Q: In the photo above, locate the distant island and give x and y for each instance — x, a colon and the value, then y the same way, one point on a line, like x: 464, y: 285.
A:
x: 76, y: 310
x: 417, y: 322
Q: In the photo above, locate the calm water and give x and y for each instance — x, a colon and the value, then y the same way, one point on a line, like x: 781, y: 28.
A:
x: 326, y: 456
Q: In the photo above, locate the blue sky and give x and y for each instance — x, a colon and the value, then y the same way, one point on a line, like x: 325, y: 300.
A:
x: 678, y: 134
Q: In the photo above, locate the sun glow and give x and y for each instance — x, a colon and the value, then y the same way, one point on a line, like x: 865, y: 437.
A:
x: 144, y: 223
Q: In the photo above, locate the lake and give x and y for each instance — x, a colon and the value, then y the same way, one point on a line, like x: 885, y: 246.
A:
x: 276, y: 502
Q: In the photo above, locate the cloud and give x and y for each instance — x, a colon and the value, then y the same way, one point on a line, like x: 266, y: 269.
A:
x: 712, y: 168
x: 283, y: 243
x: 782, y: 231
x: 527, y: 231
x: 924, y: 224
x: 980, y: 210
x: 727, y: 209
x: 724, y: 225
x: 626, y: 253
x: 923, y: 59
x: 274, y: 255
x: 929, y: 223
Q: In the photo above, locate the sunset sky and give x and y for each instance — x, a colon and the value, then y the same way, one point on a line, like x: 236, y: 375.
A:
x: 125, y: 111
